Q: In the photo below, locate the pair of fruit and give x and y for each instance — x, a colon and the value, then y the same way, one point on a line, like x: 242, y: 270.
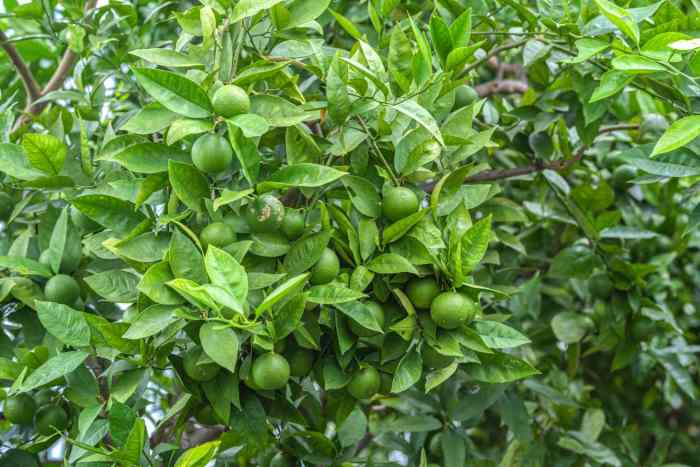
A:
x: 22, y: 410
x: 212, y: 153
x: 448, y: 310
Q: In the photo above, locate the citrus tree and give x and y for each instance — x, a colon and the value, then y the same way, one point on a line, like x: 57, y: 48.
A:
x: 336, y: 233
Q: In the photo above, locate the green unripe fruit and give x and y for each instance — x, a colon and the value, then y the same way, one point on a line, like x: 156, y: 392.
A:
x: 270, y: 371
x: 433, y: 359
x: 301, y: 361
x: 600, y: 286
x: 422, y: 291
x: 364, y: 383
x: 265, y: 214
x: 293, y: 224
x: 201, y: 372
x: 62, y: 289
x: 218, y: 234
x: 326, y: 268
x: 361, y: 331
x: 399, y: 202
x: 230, y: 100
x: 212, y: 153
x: 237, y: 222
x: 451, y: 309
x: 20, y: 409
x: 49, y: 419
x: 465, y: 95
x: 44, y: 397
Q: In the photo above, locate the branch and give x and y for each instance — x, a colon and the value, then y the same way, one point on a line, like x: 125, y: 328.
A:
x: 495, y: 51
x: 501, y: 86
x: 31, y: 87
x: 56, y: 82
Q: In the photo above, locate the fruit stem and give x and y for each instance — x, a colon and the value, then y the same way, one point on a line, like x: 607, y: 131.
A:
x: 374, y: 146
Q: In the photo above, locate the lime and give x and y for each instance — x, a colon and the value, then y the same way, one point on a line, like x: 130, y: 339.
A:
x: 364, y: 383
x: 62, y: 289
x: 230, y: 100
x: 600, y: 286
x: 422, y: 291
x: 212, y: 153
x: 433, y: 359
x: 196, y: 371
x: 361, y: 331
x: 49, y: 419
x: 465, y: 95
x: 326, y: 268
x: 270, y: 371
x: 218, y: 234
x: 265, y: 214
x: 301, y: 361
x: 44, y: 397
x: 399, y: 202
x: 293, y: 223
x: 237, y: 222
x: 450, y: 309
x: 20, y: 409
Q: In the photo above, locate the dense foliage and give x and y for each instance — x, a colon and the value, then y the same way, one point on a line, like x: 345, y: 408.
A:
x: 378, y: 232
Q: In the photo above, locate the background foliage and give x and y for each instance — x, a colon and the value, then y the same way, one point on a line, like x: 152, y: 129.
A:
x: 559, y: 192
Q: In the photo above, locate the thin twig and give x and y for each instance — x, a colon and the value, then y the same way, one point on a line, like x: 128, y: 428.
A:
x: 376, y: 149
x: 495, y: 51
x: 31, y: 87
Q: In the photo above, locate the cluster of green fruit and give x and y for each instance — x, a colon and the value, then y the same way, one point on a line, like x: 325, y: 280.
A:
x: 41, y: 411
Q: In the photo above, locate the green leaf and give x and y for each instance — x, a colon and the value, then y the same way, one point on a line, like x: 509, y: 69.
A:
x: 110, y: 212
x: 339, y: 104
x: 246, y: 152
x: 437, y: 377
x: 680, y: 133
x: 498, y: 335
x: 360, y: 313
x: 401, y: 227
x: 64, y: 323
x: 500, y: 368
x: 188, y: 183
x: 199, y: 456
x: 408, y: 372
x: 167, y: 57
x: 185, y: 258
x: 45, y: 152
x: 175, y: 92
x: 251, y: 125
x: 620, y: 17
x: 55, y: 367
x: 248, y: 8
x: 399, y: 59
x: 636, y: 64
x: 347, y: 25
x: 220, y: 343
x: 353, y: 428
x: 301, y: 175
x: 475, y: 242
x: 292, y: 285
x: 152, y: 118
x: 277, y: 111
x: 194, y: 293
x: 611, y: 82
x: 459, y: 56
x: 150, y: 322
x: 114, y: 286
x: 414, y: 111
x: 570, y: 327
x: 306, y: 252
x: 25, y: 266
x: 332, y: 294
x: 223, y: 270
x: 363, y: 195
x: 149, y: 158
x: 57, y: 243
x: 303, y: 11
x: 228, y: 197
x: 588, y: 48
x: 441, y: 37
x: 14, y: 163
x: 184, y: 127
x: 391, y: 263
